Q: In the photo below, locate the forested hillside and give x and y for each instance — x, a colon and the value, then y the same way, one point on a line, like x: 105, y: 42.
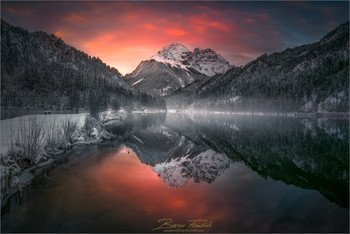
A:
x: 309, y: 78
x: 41, y: 71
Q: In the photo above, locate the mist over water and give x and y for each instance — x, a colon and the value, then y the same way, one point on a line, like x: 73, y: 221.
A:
x: 243, y: 173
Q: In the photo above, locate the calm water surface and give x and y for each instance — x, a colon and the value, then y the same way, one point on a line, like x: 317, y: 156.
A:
x: 244, y: 174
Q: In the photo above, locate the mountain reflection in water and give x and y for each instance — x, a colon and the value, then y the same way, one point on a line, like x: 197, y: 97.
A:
x: 244, y: 173
x: 308, y: 153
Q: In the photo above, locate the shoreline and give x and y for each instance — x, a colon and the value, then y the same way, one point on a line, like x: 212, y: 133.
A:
x: 17, y: 172
x: 333, y: 115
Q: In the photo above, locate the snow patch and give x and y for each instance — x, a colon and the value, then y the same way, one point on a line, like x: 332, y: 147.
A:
x: 10, y: 127
x: 137, y: 82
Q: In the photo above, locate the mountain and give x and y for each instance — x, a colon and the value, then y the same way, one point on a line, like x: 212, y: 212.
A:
x: 308, y: 78
x: 40, y: 71
x: 205, y: 61
x: 173, y: 67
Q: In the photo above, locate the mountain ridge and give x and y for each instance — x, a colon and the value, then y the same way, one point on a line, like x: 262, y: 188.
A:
x: 307, y: 78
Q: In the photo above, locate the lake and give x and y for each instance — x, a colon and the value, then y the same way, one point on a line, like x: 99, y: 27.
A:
x: 199, y: 173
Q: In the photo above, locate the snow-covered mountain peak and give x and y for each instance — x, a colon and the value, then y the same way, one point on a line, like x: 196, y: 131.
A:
x: 205, y: 61
x: 174, y: 67
x: 208, y: 62
x: 174, y: 52
x: 206, y: 53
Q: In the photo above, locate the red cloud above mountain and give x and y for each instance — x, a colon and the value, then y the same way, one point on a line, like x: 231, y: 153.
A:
x: 124, y: 33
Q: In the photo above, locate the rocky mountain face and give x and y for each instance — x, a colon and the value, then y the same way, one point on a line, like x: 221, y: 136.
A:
x: 309, y: 78
x: 159, y: 78
x: 175, y: 67
x: 205, y: 61
x: 40, y: 71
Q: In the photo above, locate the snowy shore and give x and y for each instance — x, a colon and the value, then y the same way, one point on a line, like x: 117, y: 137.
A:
x: 34, y: 141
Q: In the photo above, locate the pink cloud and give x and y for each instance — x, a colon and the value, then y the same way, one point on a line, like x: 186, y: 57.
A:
x: 149, y: 26
x: 175, y: 31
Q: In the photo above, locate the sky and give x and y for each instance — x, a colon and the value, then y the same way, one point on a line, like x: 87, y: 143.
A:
x: 122, y: 34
